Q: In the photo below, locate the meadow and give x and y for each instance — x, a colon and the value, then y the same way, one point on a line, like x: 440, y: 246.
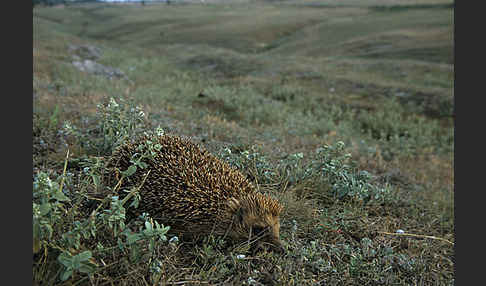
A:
x: 342, y: 110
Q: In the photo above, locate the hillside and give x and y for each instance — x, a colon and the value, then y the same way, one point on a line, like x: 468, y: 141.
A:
x: 283, y: 91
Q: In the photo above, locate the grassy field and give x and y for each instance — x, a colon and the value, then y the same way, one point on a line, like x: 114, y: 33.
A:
x: 343, y: 110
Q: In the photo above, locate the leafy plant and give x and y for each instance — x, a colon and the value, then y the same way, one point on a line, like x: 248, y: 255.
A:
x: 403, y: 133
x: 77, y: 237
x: 146, y: 150
x: 116, y: 121
x: 330, y: 166
x: 251, y: 161
x: 335, y: 167
x: 47, y: 209
x: 79, y: 262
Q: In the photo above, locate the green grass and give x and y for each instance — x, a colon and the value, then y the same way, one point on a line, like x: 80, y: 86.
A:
x: 280, y: 81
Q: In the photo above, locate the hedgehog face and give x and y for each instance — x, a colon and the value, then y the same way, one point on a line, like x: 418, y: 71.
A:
x: 257, y: 218
x: 267, y: 228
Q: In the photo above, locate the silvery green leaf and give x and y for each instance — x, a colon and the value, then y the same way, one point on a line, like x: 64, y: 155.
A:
x: 83, y: 256
x: 130, y: 171
x: 148, y: 225
x: 66, y: 274
x: 44, y: 209
x: 86, y: 268
x: 60, y: 196
x: 65, y: 259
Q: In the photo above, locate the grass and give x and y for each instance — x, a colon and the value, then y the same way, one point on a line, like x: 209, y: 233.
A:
x: 343, y: 110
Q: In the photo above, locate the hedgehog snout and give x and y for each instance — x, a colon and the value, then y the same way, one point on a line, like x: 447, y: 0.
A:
x: 269, y: 237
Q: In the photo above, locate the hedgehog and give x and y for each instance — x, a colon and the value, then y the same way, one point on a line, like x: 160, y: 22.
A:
x: 194, y: 192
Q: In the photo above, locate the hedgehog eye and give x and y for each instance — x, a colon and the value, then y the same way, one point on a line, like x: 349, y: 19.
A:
x: 257, y: 230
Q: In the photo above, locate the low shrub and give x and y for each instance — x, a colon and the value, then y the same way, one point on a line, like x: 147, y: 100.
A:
x: 114, y: 123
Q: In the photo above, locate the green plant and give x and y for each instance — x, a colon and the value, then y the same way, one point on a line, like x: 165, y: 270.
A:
x: 251, y: 161
x: 79, y: 262
x: 286, y: 93
x: 54, y: 118
x: 403, y: 133
x: 116, y: 122
x: 330, y: 166
x: 153, y: 233
x: 211, y: 258
x: 346, y: 181
x: 332, y: 169
x: 147, y: 150
x: 47, y: 209
x: 60, y: 226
